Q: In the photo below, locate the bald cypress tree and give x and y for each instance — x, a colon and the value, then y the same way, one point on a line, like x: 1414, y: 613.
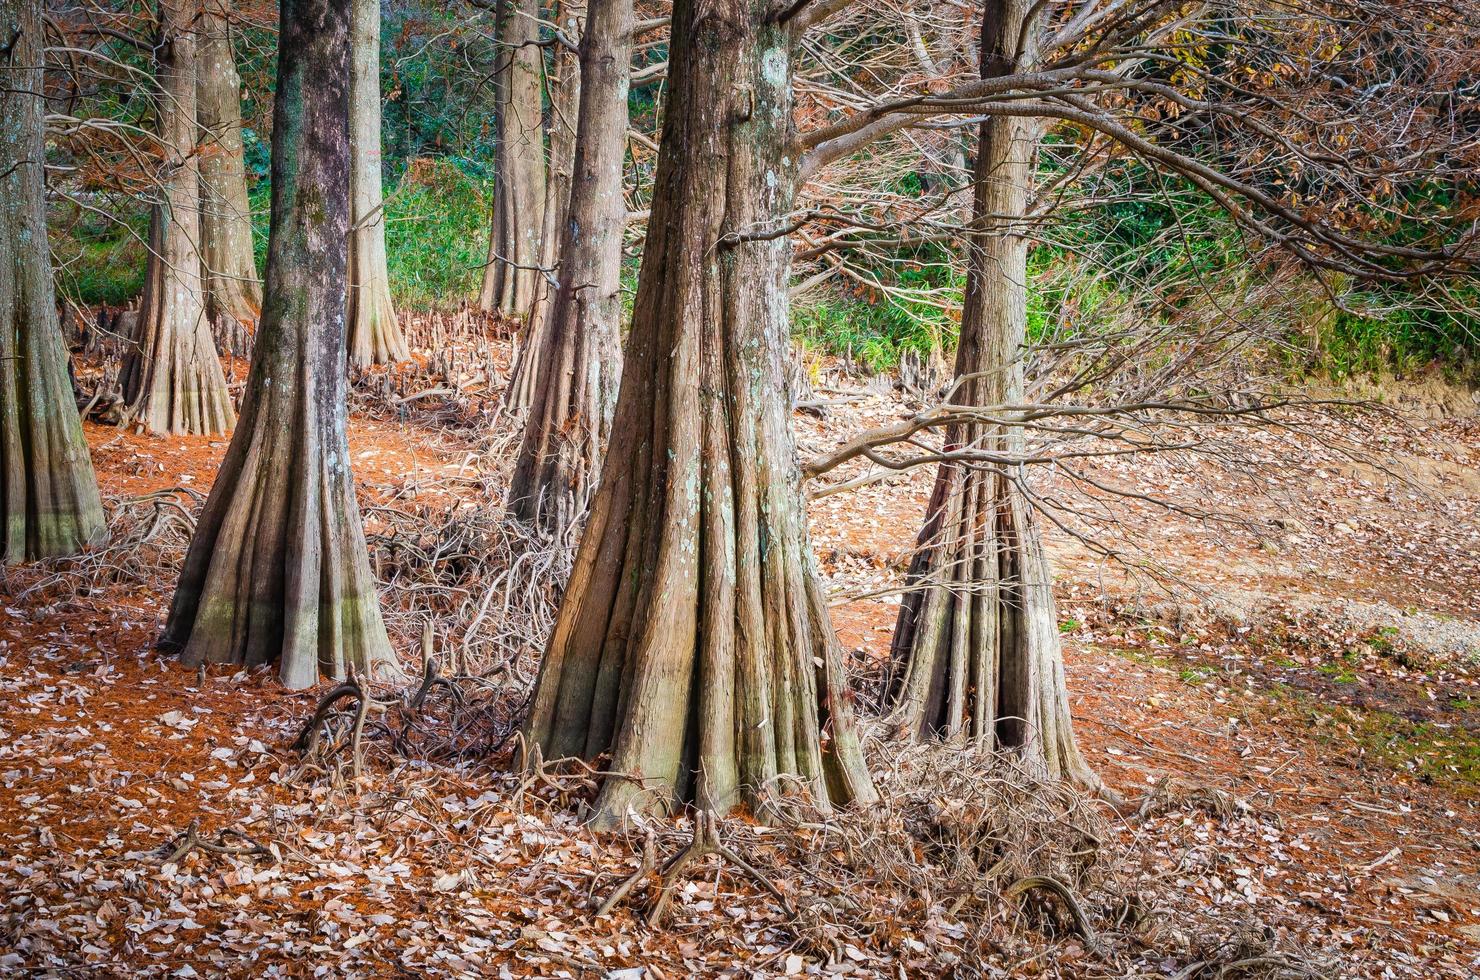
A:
x: 976, y: 650
x: 570, y: 361
x: 693, y: 647
x: 375, y: 335
x: 233, y: 293
x: 171, y: 377
x: 48, y: 494
x: 278, y: 571
x: 511, y: 279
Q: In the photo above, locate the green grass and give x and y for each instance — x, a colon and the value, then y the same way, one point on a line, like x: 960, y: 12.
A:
x: 1443, y: 756
x: 1338, y: 672
x: 1196, y: 675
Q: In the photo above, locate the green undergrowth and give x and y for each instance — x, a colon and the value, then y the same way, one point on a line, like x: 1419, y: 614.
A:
x: 1446, y: 755
x: 436, y: 233
x: 99, y: 259
x: 1381, y: 335
x: 919, y: 313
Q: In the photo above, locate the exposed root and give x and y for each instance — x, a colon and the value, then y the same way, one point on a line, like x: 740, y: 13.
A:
x: 227, y: 841
x: 579, y: 776
x: 325, y: 755
x: 1066, y: 895
x: 147, y: 537
x: 705, y: 840
x: 486, y: 583
x: 436, y: 717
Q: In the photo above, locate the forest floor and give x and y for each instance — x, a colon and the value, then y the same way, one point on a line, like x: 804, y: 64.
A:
x: 1290, y: 700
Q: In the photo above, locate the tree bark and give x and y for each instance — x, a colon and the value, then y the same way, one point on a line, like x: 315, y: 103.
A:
x: 47, y: 487
x: 976, y: 649
x: 693, y: 644
x: 565, y: 98
x: 375, y: 335
x: 171, y: 377
x: 233, y: 292
x: 571, y: 361
x: 278, y: 570
x: 512, y: 277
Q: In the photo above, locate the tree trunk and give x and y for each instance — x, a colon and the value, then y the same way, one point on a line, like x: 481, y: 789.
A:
x: 233, y: 293
x: 565, y: 99
x: 277, y: 570
x: 976, y: 648
x: 693, y: 644
x: 512, y: 277
x: 171, y: 377
x: 571, y: 363
x: 47, y: 487
x: 375, y: 335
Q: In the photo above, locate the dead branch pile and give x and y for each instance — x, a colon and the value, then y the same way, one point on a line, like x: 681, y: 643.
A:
x: 997, y: 868
x: 435, y: 718
x: 964, y: 839
x: 485, y: 584
x: 147, y: 538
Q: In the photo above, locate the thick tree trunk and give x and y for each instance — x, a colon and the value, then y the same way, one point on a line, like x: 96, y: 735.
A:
x: 571, y: 361
x: 565, y: 99
x: 277, y: 570
x: 693, y: 644
x: 976, y: 648
x: 375, y: 335
x: 233, y: 293
x: 171, y: 378
x: 47, y: 489
x: 512, y: 278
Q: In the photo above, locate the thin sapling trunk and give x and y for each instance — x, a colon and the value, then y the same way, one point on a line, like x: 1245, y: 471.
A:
x: 375, y: 335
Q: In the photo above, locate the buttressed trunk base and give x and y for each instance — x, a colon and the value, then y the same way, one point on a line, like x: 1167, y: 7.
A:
x: 277, y: 571
x: 693, y: 647
x: 571, y: 360
x: 976, y: 650
x: 171, y: 377
x: 48, y: 495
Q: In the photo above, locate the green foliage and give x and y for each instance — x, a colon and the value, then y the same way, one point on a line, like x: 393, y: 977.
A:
x: 436, y: 234
x: 1394, y: 333
x: 100, y: 259
x: 919, y: 313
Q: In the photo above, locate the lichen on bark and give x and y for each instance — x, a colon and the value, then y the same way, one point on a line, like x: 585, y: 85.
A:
x: 693, y: 649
